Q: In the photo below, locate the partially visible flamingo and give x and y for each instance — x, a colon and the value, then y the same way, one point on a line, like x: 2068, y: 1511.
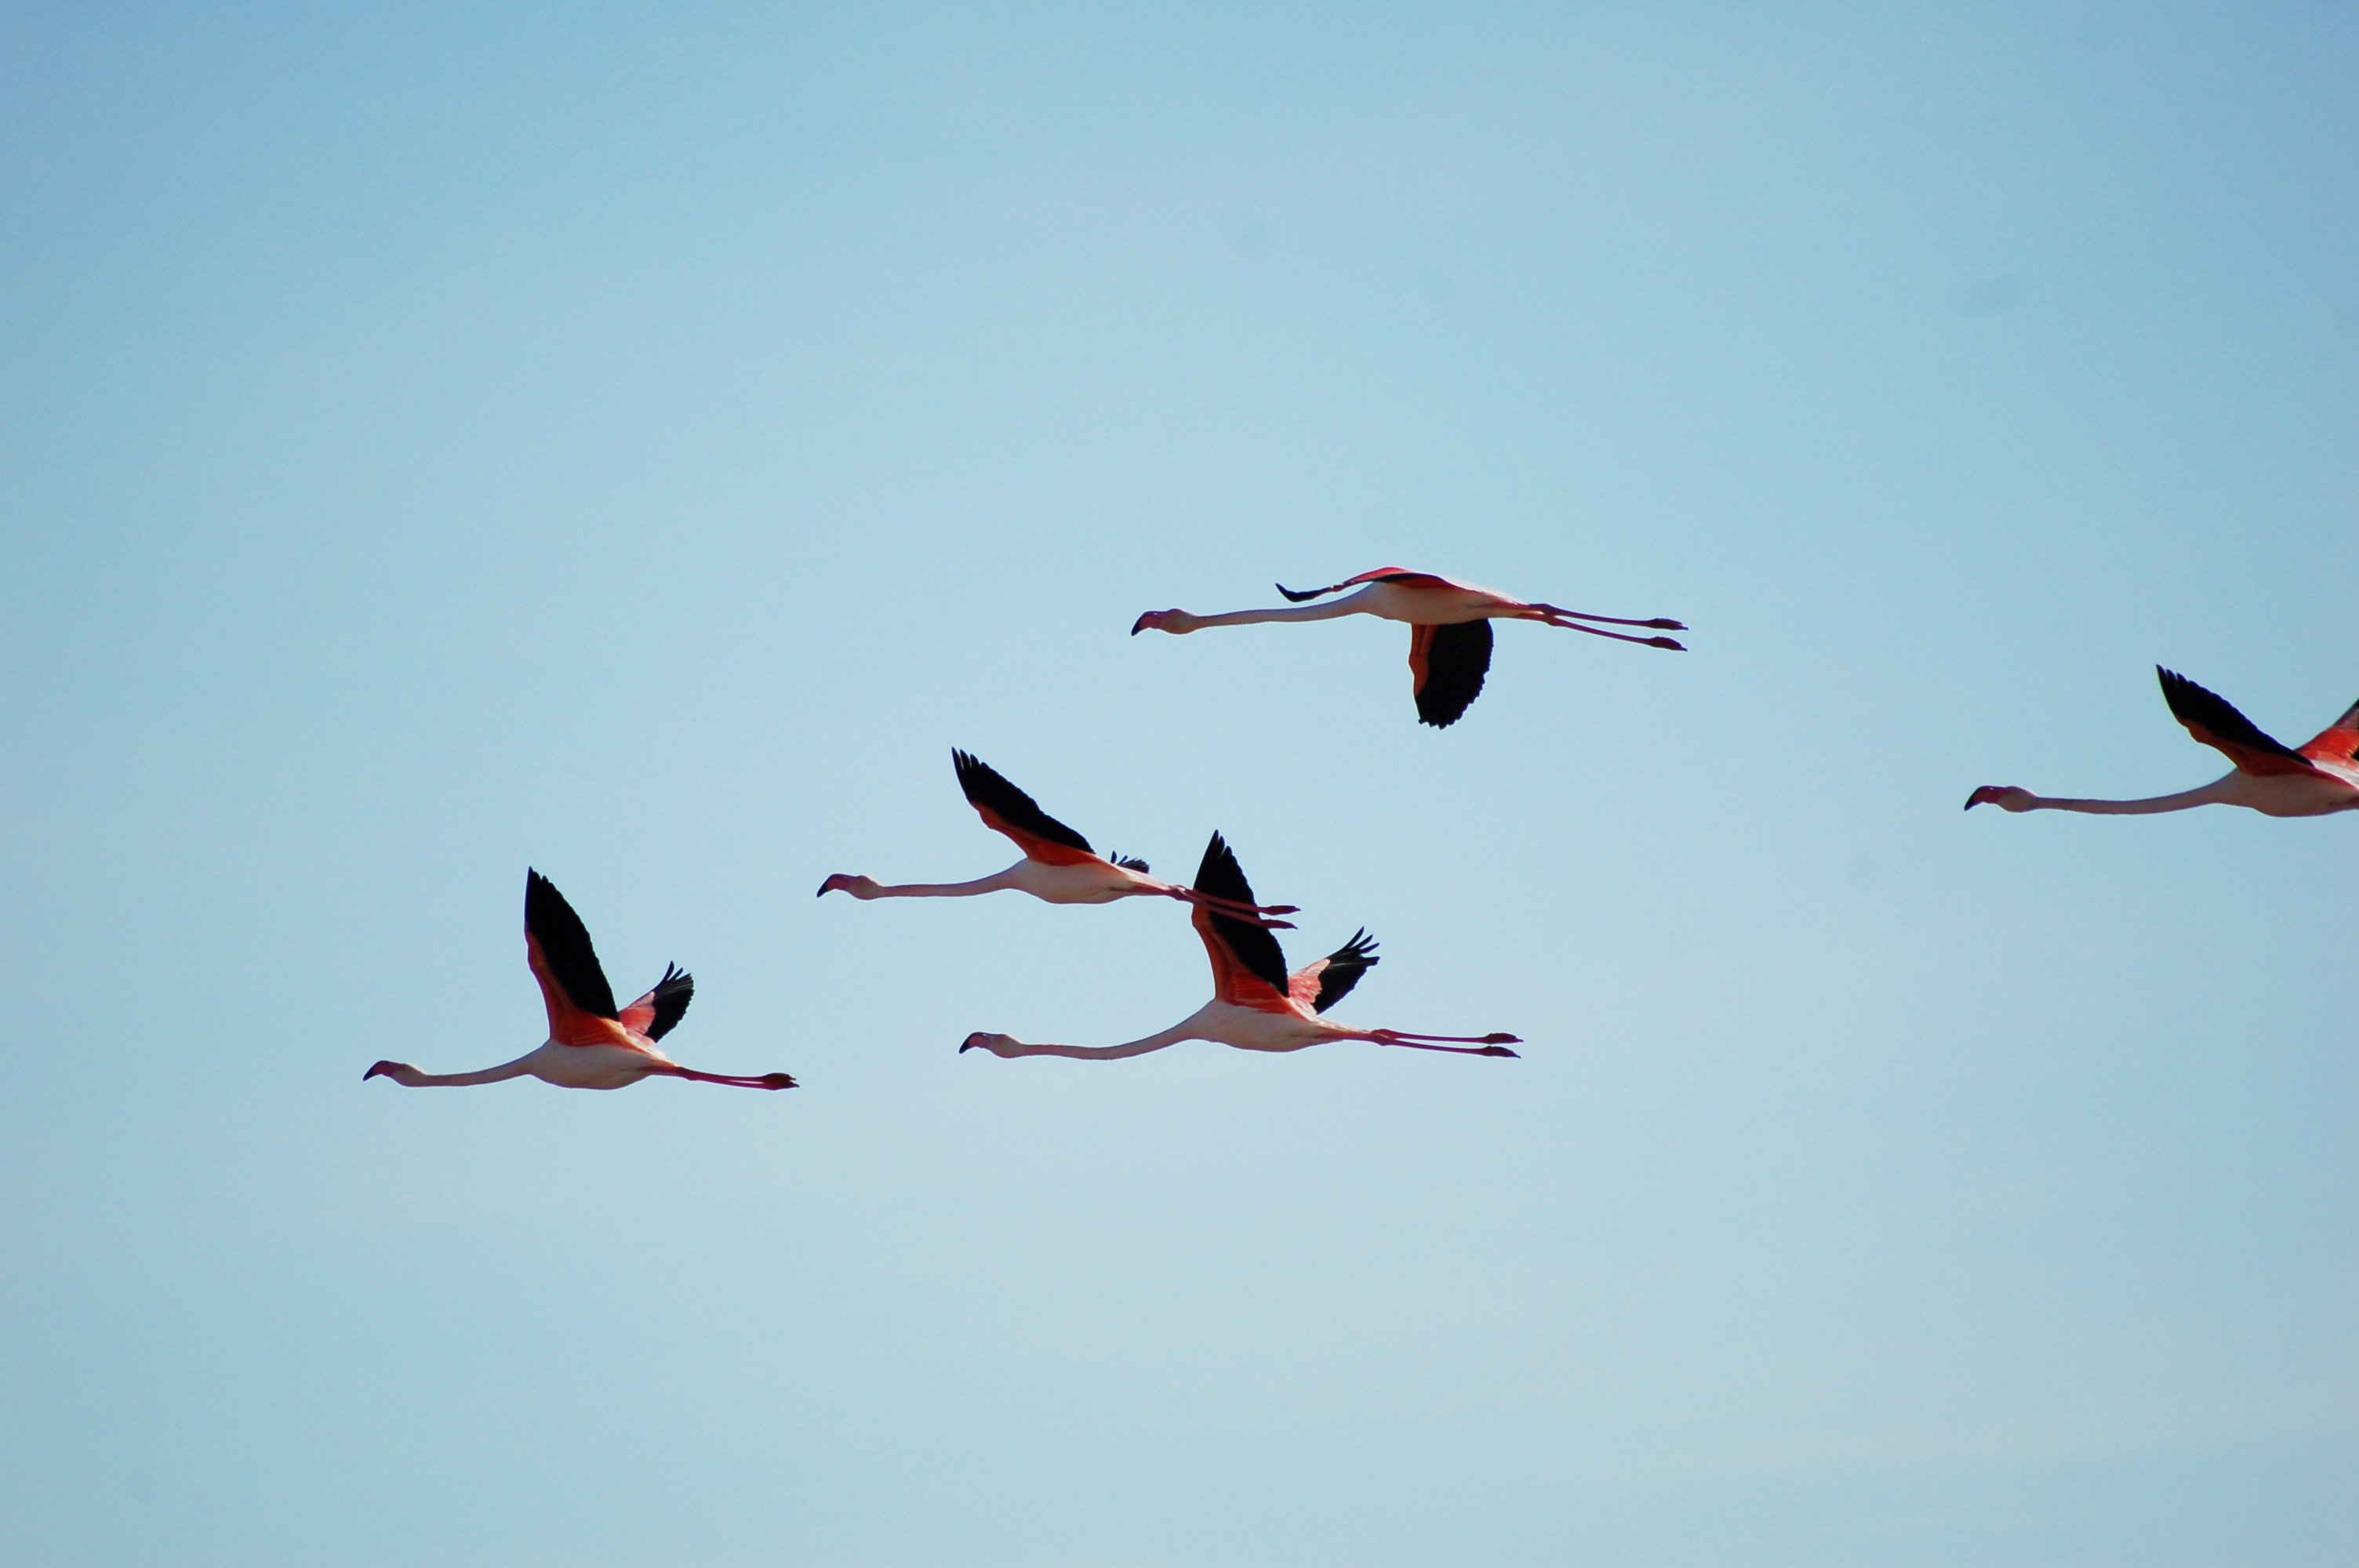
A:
x: 1256, y: 1005
x: 1450, y: 645
x: 591, y: 1045
x: 2272, y: 778
x: 1058, y: 865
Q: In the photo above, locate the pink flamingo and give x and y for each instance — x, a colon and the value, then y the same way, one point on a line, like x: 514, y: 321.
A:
x: 591, y: 1045
x: 1256, y: 1005
x: 1449, y: 622
x: 1058, y: 865
x: 2273, y: 779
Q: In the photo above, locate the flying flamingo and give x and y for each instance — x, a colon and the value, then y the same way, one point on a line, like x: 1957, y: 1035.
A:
x: 1450, y: 640
x: 590, y: 1045
x: 1058, y: 865
x: 1256, y: 1005
x: 2271, y: 778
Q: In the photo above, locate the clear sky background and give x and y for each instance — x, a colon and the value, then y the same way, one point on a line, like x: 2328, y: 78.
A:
x: 640, y: 443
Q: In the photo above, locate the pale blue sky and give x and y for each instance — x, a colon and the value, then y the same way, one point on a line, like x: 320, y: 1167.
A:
x: 641, y: 444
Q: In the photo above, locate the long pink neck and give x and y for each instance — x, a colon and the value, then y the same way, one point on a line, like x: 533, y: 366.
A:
x: 2184, y: 800
x: 1350, y: 604
x: 991, y: 883
x: 1185, y: 1030
x: 515, y: 1069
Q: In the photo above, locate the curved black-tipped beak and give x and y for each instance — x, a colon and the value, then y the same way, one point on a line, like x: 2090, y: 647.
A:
x: 780, y: 1081
x: 1140, y: 624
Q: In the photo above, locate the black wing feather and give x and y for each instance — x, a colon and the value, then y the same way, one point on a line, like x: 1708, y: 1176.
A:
x: 565, y: 947
x: 1456, y: 660
x: 2191, y: 704
x: 1345, y: 967
x: 1256, y: 948
x: 986, y: 788
x: 671, y: 997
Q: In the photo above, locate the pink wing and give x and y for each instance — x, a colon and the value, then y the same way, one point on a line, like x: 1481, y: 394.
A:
x: 2335, y: 749
x: 654, y: 1014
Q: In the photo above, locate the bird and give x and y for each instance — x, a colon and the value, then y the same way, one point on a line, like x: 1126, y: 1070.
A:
x: 1256, y: 1005
x: 1059, y: 865
x: 2272, y: 778
x: 1449, y: 639
x: 591, y: 1045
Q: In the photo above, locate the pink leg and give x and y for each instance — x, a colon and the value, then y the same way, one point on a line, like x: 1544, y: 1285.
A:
x: 1469, y: 1044
x: 1659, y: 624
x: 766, y: 1081
x: 1253, y: 913
x: 1671, y: 644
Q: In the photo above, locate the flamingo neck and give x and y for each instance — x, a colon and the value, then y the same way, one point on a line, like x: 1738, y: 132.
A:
x: 1350, y: 604
x: 2211, y: 793
x: 992, y: 883
x: 1187, y: 1029
x: 515, y: 1069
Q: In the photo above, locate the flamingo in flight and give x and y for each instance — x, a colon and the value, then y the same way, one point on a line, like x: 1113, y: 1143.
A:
x: 1256, y: 1005
x: 2272, y: 778
x: 591, y: 1045
x: 1450, y: 628
x: 1058, y: 865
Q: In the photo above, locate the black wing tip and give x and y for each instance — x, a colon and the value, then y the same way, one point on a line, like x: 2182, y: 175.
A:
x: 1344, y: 968
x: 1457, y: 659
x: 1254, y: 947
x: 2201, y: 709
x: 565, y: 944
x: 672, y: 994
x: 1130, y: 863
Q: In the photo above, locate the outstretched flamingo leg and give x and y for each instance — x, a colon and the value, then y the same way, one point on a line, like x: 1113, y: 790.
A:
x: 766, y: 1081
x: 1658, y: 623
x: 1469, y: 1044
x: 1257, y: 913
x: 1670, y: 643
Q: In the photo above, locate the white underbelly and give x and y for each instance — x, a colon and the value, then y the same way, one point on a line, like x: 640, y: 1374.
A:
x: 2293, y: 794
x: 1434, y: 606
x: 1251, y: 1029
x: 589, y: 1066
x: 1092, y: 881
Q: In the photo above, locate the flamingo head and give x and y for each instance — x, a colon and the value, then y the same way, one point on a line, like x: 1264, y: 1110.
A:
x: 991, y: 1043
x: 2006, y: 797
x: 1173, y: 620
x: 858, y: 887
x: 778, y: 1081
x: 399, y: 1072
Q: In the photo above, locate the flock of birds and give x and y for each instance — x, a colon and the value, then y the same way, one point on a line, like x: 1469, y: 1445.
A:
x: 1256, y: 1004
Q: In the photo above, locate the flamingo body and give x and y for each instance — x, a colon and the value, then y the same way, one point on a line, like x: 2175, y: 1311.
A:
x: 2315, y: 779
x: 1450, y: 645
x: 1256, y: 1005
x: 591, y: 1045
x: 1057, y: 867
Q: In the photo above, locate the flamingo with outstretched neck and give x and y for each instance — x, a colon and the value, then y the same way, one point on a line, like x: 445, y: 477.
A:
x: 591, y: 1045
x: 1059, y: 865
x: 1449, y: 622
x: 1256, y: 1005
x: 2273, y: 779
